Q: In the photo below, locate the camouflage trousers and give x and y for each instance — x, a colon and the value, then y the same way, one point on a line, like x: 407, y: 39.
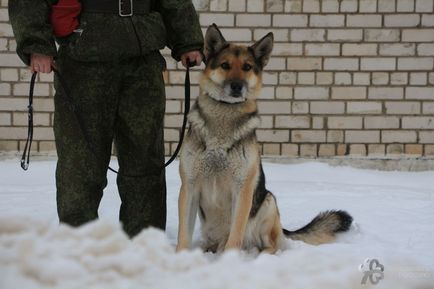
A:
x: 120, y: 101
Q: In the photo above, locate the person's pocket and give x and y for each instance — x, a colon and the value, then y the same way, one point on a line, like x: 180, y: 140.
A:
x: 64, y: 17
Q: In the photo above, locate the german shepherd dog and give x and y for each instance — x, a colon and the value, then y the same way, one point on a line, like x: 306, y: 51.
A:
x: 220, y: 165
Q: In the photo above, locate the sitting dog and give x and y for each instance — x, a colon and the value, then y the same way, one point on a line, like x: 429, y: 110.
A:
x: 220, y: 164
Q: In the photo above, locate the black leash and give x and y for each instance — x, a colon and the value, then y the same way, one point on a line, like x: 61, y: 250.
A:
x: 25, y: 159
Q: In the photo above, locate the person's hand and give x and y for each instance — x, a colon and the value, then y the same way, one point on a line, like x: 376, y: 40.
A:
x: 41, y: 63
x: 192, y: 56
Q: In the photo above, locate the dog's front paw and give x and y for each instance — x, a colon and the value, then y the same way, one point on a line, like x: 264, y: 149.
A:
x: 233, y: 245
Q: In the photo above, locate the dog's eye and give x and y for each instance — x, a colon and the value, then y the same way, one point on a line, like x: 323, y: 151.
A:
x: 247, y: 67
x: 225, y: 66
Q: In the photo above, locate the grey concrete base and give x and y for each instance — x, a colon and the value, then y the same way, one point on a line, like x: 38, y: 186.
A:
x: 402, y: 163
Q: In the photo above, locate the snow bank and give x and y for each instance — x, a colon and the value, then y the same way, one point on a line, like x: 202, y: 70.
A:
x: 393, y: 213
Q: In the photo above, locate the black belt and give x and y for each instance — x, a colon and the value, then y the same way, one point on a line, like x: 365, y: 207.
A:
x: 122, y: 8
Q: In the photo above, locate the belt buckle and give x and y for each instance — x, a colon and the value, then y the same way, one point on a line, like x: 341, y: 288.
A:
x: 122, y: 4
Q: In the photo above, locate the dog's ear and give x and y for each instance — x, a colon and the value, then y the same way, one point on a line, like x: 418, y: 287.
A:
x: 262, y: 49
x: 214, y: 41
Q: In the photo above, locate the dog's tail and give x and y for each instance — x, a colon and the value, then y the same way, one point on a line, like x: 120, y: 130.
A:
x: 323, y: 228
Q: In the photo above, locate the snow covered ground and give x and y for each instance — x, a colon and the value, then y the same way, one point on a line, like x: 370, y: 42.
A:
x: 393, y: 213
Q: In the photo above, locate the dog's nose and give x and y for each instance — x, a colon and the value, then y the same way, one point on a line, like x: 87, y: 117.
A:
x: 236, y: 87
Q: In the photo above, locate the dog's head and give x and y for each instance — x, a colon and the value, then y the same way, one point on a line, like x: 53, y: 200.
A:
x: 233, y: 73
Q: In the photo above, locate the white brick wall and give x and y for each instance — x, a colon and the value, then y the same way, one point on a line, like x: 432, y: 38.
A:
x: 345, y: 77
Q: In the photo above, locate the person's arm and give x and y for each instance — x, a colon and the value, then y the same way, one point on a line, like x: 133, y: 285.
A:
x: 183, y: 28
x: 32, y: 30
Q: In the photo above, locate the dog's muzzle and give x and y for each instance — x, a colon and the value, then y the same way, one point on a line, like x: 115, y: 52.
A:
x: 237, y: 88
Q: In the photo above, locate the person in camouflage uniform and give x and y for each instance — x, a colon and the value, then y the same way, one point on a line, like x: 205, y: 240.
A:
x: 112, y: 70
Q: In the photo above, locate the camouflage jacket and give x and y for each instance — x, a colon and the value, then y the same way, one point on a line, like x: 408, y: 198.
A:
x: 105, y: 37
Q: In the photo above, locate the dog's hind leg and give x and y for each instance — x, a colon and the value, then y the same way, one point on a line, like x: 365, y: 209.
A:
x: 188, y: 204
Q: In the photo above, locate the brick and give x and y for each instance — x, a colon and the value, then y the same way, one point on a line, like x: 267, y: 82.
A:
x: 284, y: 92
x: 289, y: 149
x: 308, y: 136
x: 287, y: 78
x: 300, y: 107
x: 287, y: 49
x: 335, y: 136
x: 382, y: 35
x: 39, y: 119
x: 171, y: 134
x: 330, y: 6
x: 424, y: 6
x: 237, y: 5
x: 358, y: 149
x: 293, y: 6
x: 428, y: 108
x: 341, y: 64
x: 386, y: 93
x: 311, y: 93
x: 10, y: 60
x: 327, y: 107
x: 255, y: 6
x: 322, y: 49
x: 323, y: 78
x: 431, y: 78
x: 274, y: 107
x: 429, y: 150
x: 335, y: 20
x: 270, y: 78
x: 386, y: 6
x: 405, y: 5
x: 418, y: 35
x: 308, y: 150
x: 381, y: 122
x: 307, y: 78
x: 361, y: 78
x: 308, y: 35
x: 368, y: 6
x: 201, y: 5
x: 6, y: 30
x: 376, y: 149
x: 418, y: 78
x: 342, y: 149
x: 286, y: 20
x: 279, y: 34
x: 394, y: 136
x: 308, y: 63
x: 326, y: 150
x: 358, y: 107
x: 276, y: 63
x: 9, y: 74
x: 274, y: 6
x: 428, y: 20
x: 425, y: 49
x: 377, y: 63
x: 292, y: 122
x: 47, y: 146
x: 365, y: 136
x: 422, y: 122
x: 318, y: 122
x: 5, y: 89
x: 311, y: 6
x: 342, y: 78
x: 394, y: 107
x: 220, y: 18
x: 352, y: 92
x: 426, y: 137
x: 5, y: 119
x: 416, y: 63
x: 348, y: 5
x: 359, y: 49
x: 414, y: 149
x: 267, y: 92
x: 345, y: 35
x: 399, y: 78
x: 271, y: 149
x: 395, y: 149
x: 397, y: 49
x: 380, y: 78
x: 266, y: 121
x: 237, y: 34
x: 8, y: 146
x: 272, y: 135
x: 345, y: 122
x: 218, y: 5
x: 13, y: 104
x: 173, y: 106
x: 402, y: 20
x: 419, y: 92
x: 364, y: 20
